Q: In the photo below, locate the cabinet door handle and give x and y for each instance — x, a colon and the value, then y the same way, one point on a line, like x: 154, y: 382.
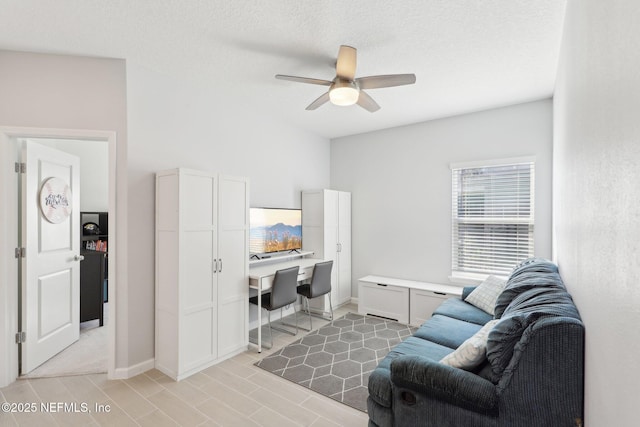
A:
x: 215, y: 265
x: 381, y: 284
x: 220, y: 259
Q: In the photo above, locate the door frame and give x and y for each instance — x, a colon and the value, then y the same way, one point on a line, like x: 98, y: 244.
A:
x: 9, y: 292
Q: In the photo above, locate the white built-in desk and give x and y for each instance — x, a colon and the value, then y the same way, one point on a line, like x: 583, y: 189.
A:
x: 261, y: 277
x: 406, y: 301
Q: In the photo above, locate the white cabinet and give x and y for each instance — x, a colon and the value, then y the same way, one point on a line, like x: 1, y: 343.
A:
x: 423, y: 303
x: 326, y: 230
x: 202, y: 225
x: 406, y: 301
x: 388, y: 301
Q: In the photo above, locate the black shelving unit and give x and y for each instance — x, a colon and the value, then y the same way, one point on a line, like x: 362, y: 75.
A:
x: 94, y: 239
x: 92, y: 286
x: 91, y: 234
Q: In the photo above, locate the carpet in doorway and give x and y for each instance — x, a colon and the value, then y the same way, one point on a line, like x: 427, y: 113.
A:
x: 337, y: 359
x: 88, y: 355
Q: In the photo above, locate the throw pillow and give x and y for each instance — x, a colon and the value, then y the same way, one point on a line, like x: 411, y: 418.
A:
x: 485, y: 295
x: 473, y: 351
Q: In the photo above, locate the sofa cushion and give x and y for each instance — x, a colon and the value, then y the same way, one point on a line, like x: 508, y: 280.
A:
x: 458, y: 309
x: 501, y: 341
x: 380, y: 378
x: 551, y: 301
x: 541, y: 265
x: 485, y: 295
x: 533, y: 274
x: 484, y: 370
x: 471, y: 353
x: 446, y: 330
x: 524, y: 310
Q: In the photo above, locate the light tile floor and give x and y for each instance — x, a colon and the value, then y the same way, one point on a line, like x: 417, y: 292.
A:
x: 231, y: 393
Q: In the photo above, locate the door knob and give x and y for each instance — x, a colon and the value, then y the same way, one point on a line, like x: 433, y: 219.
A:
x: 78, y: 257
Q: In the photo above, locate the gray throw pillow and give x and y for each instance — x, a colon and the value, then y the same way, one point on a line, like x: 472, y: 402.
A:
x: 485, y: 295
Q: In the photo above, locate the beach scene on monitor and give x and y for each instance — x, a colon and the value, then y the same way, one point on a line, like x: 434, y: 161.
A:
x: 275, y: 230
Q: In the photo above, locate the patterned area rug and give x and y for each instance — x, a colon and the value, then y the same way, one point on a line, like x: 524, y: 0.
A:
x: 336, y: 360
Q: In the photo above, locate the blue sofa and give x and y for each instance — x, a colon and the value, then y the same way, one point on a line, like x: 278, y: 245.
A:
x: 533, y: 375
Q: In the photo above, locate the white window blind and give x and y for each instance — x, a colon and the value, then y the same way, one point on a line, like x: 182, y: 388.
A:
x: 492, y: 217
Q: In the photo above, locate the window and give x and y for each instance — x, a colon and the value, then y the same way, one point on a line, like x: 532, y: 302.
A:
x: 492, y: 216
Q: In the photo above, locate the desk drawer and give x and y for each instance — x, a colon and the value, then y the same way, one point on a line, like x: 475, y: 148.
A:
x: 303, y: 274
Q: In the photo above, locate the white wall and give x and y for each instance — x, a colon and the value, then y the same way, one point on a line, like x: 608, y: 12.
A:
x: 67, y: 92
x: 161, y: 122
x: 596, y: 199
x: 401, y: 185
x: 173, y: 123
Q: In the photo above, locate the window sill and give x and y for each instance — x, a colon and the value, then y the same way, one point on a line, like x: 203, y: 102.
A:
x: 471, y: 279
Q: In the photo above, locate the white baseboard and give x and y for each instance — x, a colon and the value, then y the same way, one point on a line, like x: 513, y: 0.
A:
x: 132, y: 371
x: 354, y: 300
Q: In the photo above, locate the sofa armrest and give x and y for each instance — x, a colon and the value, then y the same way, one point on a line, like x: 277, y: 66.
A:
x: 466, y: 291
x: 435, y: 380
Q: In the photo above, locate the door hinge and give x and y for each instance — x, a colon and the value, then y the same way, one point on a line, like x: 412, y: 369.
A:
x: 21, y: 167
x: 21, y: 252
x: 21, y: 337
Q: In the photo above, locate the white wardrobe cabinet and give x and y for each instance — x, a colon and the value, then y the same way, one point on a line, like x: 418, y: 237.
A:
x: 326, y: 230
x: 202, y: 252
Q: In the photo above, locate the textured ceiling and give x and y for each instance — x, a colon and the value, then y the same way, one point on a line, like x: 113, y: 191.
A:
x: 467, y: 55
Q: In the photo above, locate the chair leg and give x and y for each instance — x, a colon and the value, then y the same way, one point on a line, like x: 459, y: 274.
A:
x: 287, y: 324
x: 270, y: 331
x: 309, y: 312
x: 263, y: 345
x: 311, y: 315
x: 297, y: 326
x: 331, y: 305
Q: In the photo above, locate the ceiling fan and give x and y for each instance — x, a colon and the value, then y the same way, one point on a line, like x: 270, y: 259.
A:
x: 345, y: 88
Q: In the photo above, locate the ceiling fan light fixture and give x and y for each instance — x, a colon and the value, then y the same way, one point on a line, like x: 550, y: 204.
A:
x: 344, y: 92
x: 345, y: 88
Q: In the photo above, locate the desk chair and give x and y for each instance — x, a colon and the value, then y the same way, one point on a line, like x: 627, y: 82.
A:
x: 283, y: 293
x: 320, y: 285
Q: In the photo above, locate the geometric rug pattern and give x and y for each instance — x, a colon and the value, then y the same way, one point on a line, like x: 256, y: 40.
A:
x: 337, y: 359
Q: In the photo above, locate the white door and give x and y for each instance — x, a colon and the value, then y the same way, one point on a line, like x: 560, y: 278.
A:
x: 344, y: 247
x: 198, y: 255
x: 331, y: 243
x: 233, y: 253
x: 50, y: 282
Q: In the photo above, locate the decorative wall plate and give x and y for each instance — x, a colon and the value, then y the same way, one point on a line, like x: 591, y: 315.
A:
x: 55, y: 200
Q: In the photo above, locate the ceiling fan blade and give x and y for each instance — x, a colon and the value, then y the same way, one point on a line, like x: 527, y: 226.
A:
x: 389, y: 80
x: 346, y: 63
x: 366, y: 102
x: 318, y: 102
x: 304, y: 80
